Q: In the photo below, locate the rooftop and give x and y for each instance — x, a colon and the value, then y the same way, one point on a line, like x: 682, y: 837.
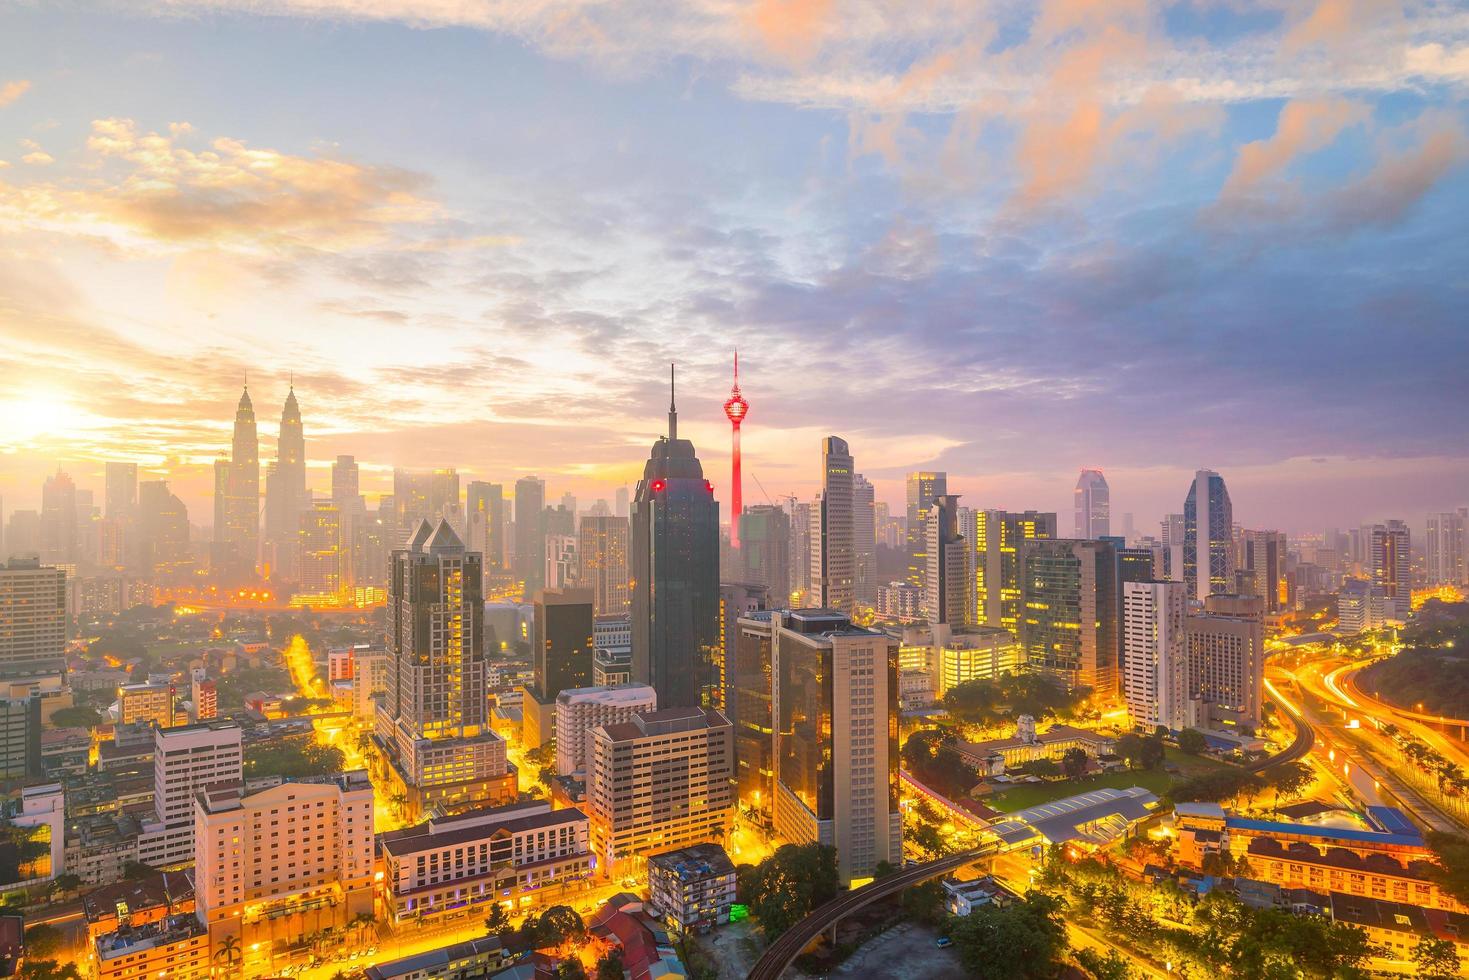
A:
x: 164, y: 932
x: 440, y: 957
x: 407, y: 842
x: 1098, y: 816
x: 1407, y: 839
x: 697, y: 862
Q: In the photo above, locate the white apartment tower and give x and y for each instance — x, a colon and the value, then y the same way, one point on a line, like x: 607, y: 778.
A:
x: 1155, y: 654
x: 864, y: 540
x: 1446, y: 548
x: 186, y: 759
x: 581, y: 709
x: 946, y: 582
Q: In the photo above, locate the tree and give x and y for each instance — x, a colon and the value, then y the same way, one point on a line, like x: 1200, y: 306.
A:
x: 1436, y: 959
x: 66, y: 882
x: 1025, y: 940
x: 571, y: 969
x: 1192, y: 741
x: 609, y: 967
x: 137, y: 870
x: 1113, y: 966
x: 1042, y: 768
x: 560, y: 923
x: 48, y: 970
x: 42, y: 941
x: 497, y: 920
x: 1214, y: 787
x: 229, y: 952
x: 1289, y: 779
x: 75, y: 717
x: 1129, y: 748
x: 1074, y: 762
x: 1452, y: 871
x: 786, y: 886
x: 882, y: 869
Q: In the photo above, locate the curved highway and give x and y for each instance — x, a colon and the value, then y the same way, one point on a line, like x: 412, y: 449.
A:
x: 781, y: 953
x: 1305, y: 736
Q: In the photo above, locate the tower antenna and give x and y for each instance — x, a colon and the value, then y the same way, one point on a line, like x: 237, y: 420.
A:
x: 672, y: 411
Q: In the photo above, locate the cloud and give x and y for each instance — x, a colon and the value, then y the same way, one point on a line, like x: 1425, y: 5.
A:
x: 152, y: 188
x: 791, y: 29
x: 1438, y: 62
x: 10, y: 91
x: 1302, y: 128
x: 1402, y: 176
x: 1332, y: 22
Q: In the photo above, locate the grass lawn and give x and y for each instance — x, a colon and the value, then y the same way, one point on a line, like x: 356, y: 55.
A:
x: 1033, y: 794
x: 1192, y: 765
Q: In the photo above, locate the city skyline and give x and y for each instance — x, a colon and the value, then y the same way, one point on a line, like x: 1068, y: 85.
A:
x: 166, y: 237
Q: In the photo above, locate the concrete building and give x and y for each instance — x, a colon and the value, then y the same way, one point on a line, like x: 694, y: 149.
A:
x: 41, y: 808
x: 611, y: 650
x: 833, y: 547
x: 1446, y: 547
x: 1155, y: 654
x: 973, y: 653
x: 835, y: 696
x: 205, y: 696
x: 146, y: 704
x: 458, y: 961
x: 579, y: 710
x: 691, y: 889
x: 765, y: 549
x: 946, y: 582
x: 1263, y: 561
x: 999, y: 539
x: 602, y: 552
x: 32, y: 618
x: 864, y: 541
x: 284, y: 862
x: 1392, y: 565
x: 922, y: 488
x: 1068, y: 619
x: 320, y: 552
x: 736, y: 600
x: 1028, y: 745
x: 186, y: 759
x: 562, y: 652
x: 1093, y: 506
x: 1226, y: 658
x: 900, y: 602
x: 518, y: 855
x: 176, y: 946
x: 662, y: 781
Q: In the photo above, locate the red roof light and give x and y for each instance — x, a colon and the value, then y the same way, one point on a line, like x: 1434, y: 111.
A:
x: 658, y: 486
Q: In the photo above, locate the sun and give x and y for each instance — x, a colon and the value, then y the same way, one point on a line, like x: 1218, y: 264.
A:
x: 34, y: 417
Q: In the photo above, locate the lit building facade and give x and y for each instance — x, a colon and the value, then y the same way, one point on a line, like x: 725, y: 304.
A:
x: 1155, y: 654
x: 32, y: 618
x: 319, y: 551
x: 998, y: 539
x: 1226, y: 655
x: 1069, y: 613
x: 602, y: 553
x: 1093, y: 506
x: 833, y: 545
x: 186, y: 759
x: 946, y: 583
x: 922, y: 488
x: 580, y: 710
x: 1208, y: 537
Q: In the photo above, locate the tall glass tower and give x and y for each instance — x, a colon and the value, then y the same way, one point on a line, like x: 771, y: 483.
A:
x: 673, y: 558
x: 1208, y: 537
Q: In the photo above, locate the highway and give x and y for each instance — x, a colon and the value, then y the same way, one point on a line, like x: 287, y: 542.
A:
x: 781, y: 953
x: 1299, y: 746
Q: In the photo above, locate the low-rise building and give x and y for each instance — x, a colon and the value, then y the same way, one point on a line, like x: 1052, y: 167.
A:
x: 142, y: 704
x: 176, y: 947
x: 1397, y: 927
x: 962, y: 896
x: 139, y: 902
x: 461, y: 961
x: 1087, y: 820
x: 518, y: 855
x: 997, y: 755
x: 692, y: 888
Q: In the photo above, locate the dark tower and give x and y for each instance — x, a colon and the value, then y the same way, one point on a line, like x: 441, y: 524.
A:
x: 674, y: 564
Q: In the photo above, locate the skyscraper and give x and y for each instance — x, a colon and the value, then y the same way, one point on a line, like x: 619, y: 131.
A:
x: 1392, y: 564
x: 999, y: 537
x: 163, y: 532
x: 1446, y: 547
x: 345, y: 484
x: 1226, y: 652
x: 120, y: 500
x: 319, y: 547
x: 946, y: 586
x: 562, y: 655
x: 1093, y: 509
x: 800, y: 550
x: 1069, y: 611
x: 735, y: 409
x: 1155, y: 654
x: 32, y: 618
x: 1263, y: 556
x: 238, y: 538
x: 432, y: 726
x: 1208, y: 537
x: 285, y: 495
x: 530, y: 533
x: 922, y: 488
x: 59, y: 519
x: 479, y: 508
x: 673, y: 556
x: 864, y: 541
x: 602, y: 552
x: 833, y: 546
x: 765, y: 550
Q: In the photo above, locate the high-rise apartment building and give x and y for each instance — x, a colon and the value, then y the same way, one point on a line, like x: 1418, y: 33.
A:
x: 1263, y: 555
x: 1208, y: 537
x: 836, y: 738
x: 602, y: 553
x: 285, y: 496
x: 1155, y: 654
x: 581, y: 709
x: 32, y: 619
x: 661, y: 781
x: 237, y: 538
x: 433, y: 725
x: 1446, y: 548
x: 321, y: 557
x: 946, y: 582
x: 673, y: 558
x: 1069, y: 610
x: 530, y: 533
x: 485, y: 522
x: 800, y: 552
x: 833, y: 542
x: 922, y: 488
x: 1093, y: 506
x: 1226, y: 653
x: 282, y: 864
x: 765, y: 549
x: 864, y: 541
x: 998, y: 538
x: 1392, y: 564
x: 187, y: 759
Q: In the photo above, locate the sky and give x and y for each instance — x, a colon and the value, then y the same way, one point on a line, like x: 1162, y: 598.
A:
x: 1003, y: 239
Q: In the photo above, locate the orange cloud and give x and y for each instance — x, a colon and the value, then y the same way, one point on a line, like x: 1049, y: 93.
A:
x: 11, y: 91
x: 1303, y: 127
x: 792, y: 30
x: 1334, y: 21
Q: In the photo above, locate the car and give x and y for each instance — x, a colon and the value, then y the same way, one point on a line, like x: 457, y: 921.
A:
x: 944, y: 942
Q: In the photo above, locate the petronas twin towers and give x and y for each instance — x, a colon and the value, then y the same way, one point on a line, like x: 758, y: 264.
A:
x: 238, y: 551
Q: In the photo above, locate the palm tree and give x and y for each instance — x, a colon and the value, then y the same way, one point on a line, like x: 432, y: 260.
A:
x: 399, y: 802
x: 229, y: 951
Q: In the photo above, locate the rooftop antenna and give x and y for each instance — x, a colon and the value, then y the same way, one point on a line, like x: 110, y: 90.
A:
x: 672, y: 411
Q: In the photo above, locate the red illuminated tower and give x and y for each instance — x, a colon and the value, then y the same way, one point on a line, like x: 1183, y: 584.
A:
x: 736, y: 408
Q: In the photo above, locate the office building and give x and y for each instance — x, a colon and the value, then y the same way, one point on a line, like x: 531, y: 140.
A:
x: 765, y: 549
x: 946, y: 582
x: 120, y: 497
x: 59, y: 520
x: 145, y: 704
x: 519, y: 855
x: 1263, y: 557
x: 1155, y: 654
x: 602, y: 554
x: 186, y: 760
x: 972, y: 653
x: 999, y: 536
x: 899, y: 602
x: 1069, y: 610
x: 692, y: 888
x: 661, y: 781
x: 562, y: 652
x: 163, y: 534
x: 864, y: 541
x: 611, y: 650
x: 285, y: 495
x: 530, y: 533
x: 1226, y: 657
x: 1392, y: 564
x: 922, y: 488
x: 283, y: 863
x: 836, y: 738
x: 833, y: 545
x: 320, y: 555
x: 346, y: 488
x: 237, y: 501
x: 432, y: 724
x: 205, y: 696
x: 1208, y: 537
x: 1093, y: 507
x: 581, y: 709
x: 32, y: 618
x: 736, y: 600
x: 674, y: 566
x: 1446, y: 546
